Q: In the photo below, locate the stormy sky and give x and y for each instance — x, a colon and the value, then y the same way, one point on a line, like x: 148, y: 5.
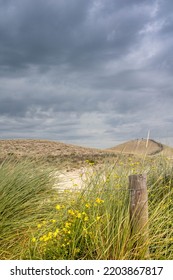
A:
x: 87, y: 72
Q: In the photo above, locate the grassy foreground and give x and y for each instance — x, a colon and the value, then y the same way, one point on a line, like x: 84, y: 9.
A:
x: 38, y: 223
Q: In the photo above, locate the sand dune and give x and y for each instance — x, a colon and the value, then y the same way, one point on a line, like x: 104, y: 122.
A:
x: 141, y: 147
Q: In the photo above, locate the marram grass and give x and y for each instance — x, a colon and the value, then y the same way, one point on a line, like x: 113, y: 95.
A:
x: 88, y: 224
x: 24, y: 192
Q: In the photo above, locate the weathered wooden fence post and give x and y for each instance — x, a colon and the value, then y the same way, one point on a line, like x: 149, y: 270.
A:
x: 139, y: 208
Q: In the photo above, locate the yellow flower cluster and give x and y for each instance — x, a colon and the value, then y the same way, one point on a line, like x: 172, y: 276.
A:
x: 99, y: 201
x: 87, y: 205
x: 59, y: 207
x: 61, y: 233
x: 76, y: 214
x: 41, y: 224
x: 90, y: 162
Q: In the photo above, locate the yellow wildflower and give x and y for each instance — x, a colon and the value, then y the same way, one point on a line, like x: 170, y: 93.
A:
x: 71, y: 212
x: 33, y: 239
x: 67, y: 224
x: 65, y: 230
x: 45, y: 238
x: 50, y: 234
x: 99, y: 201
x: 76, y: 250
x: 85, y: 231
x: 58, y: 207
x: 78, y: 215
x: 87, y: 205
x: 55, y: 233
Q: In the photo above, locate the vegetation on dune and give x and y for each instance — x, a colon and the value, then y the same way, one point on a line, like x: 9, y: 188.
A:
x: 38, y: 222
x: 57, y: 154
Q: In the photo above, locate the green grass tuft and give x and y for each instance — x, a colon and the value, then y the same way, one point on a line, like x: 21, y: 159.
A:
x: 24, y: 192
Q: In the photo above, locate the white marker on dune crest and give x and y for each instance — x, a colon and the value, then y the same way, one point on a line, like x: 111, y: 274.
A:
x: 148, y: 136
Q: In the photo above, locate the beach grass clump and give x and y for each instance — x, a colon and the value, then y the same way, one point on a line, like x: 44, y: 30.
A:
x: 25, y: 198
x: 160, y: 193
x: 89, y: 228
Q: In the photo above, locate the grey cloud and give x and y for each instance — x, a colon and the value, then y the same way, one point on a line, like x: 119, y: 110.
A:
x: 72, y: 32
x: 38, y: 32
x: 85, y: 70
x: 12, y: 107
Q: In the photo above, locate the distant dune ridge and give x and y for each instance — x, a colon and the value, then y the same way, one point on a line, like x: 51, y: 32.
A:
x: 42, y: 148
x: 139, y: 146
x: 143, y: 147
x: 30, y: 147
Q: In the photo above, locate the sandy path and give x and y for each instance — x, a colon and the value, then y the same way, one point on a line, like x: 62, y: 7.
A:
x: 72, y: 180
x: 76, y: 179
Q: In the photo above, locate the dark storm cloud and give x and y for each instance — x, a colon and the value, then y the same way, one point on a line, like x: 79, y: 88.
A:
x: 38, y: 31
x: 12, y: 107
x: 73, y: 32
x: 78, y: 69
